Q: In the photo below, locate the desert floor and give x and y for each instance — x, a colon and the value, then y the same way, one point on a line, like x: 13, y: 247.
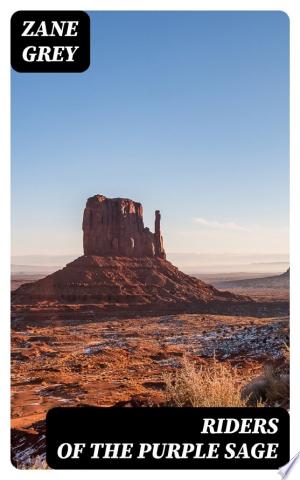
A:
x: 115, y: 361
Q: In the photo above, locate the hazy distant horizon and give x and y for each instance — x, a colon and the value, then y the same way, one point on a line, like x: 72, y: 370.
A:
x: 188, y: 262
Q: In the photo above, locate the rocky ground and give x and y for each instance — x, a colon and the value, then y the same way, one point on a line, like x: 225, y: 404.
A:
x: 113, y: 361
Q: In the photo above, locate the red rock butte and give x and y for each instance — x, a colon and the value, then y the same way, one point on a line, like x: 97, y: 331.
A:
x: 124, y: 266
x: 115, y: 227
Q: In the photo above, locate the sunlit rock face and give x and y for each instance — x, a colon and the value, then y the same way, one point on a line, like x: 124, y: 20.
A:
x: 115, y: 227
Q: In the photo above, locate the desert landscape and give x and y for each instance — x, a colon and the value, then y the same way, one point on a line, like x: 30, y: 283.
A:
x: 122, y: 327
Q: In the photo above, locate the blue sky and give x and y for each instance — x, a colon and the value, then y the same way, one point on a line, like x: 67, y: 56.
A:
x: 185, y: 112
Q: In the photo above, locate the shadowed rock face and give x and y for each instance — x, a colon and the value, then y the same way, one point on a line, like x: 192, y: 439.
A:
x: 115, y: 227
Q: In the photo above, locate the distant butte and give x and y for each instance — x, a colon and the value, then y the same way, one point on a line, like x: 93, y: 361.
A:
x: 124, y: 266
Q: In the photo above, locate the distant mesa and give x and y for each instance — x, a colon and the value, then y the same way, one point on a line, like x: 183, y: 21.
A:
x: 275, y: 281
x: 124, y: 266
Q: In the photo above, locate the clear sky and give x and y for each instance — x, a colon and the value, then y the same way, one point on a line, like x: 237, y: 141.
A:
x: 184, y: 112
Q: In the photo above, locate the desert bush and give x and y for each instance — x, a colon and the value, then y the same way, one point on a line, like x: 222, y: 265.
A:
x: 286, y: 353
x: 273, y: 386
x: 35, y: 463
x: 216, y: 384
x: 278, y: 392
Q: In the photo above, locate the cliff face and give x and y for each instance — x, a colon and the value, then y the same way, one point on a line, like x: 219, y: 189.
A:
x: 115, y: 227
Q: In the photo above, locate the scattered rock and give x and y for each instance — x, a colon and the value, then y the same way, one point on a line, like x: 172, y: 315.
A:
x: 27, y: 444
x: 155, y: 385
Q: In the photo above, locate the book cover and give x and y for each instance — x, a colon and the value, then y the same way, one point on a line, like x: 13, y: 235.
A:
x: 150, y: 250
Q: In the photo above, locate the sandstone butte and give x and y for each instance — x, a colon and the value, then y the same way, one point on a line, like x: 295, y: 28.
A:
x: 124, y: 266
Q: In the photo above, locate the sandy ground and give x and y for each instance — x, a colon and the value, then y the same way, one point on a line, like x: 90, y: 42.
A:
x: 112, y: 360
